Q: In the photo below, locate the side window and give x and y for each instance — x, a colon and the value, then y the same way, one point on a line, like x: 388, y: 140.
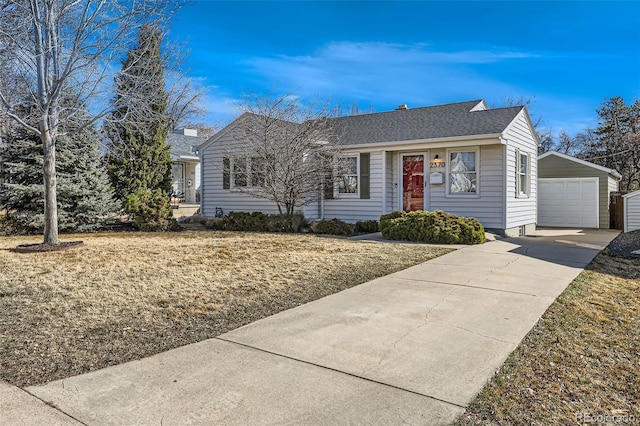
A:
x: 523, y: 173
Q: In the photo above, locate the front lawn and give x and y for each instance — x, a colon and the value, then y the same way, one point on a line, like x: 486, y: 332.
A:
x: 125, y: 296
x: 581, y: 363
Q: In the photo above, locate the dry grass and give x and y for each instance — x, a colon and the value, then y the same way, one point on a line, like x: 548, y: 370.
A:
x: 583, y: 356
x: 128, y: 295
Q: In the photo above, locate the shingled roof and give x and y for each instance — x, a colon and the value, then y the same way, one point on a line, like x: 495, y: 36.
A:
x: 182, y: 145
x: 440, y: 121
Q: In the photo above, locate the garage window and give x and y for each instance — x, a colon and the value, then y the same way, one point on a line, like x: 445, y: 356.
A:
x: 523, y: 174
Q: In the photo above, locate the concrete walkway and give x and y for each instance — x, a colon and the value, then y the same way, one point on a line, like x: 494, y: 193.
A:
x: 410, y: 348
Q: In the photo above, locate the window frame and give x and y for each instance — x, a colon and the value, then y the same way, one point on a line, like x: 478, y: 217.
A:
x: 249, y: 170
x: 255, y: 174
x: 476, y: 193
x: 234, y: 173
x: 527, y: 174
x: 336, y: 189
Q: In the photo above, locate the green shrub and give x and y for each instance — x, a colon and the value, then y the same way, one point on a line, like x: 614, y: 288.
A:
x: 258, y: 222
x: 366, y: 226
x: 215, y: 224
x: 150, y: 211
x: 196, y: 218
x: 437, y: 227
x: 332, y: 227
x: 386, y: 221
x: 285, y: 223
x: 244, y: 221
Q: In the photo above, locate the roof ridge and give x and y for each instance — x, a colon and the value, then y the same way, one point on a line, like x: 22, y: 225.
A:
x: 475, y: 102
x: 500, y: 108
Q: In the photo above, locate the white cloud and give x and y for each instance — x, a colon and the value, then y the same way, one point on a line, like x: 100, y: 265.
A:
x: 385, y: 72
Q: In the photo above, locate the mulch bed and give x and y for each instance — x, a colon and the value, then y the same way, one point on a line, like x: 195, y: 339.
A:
x: 42, y: 247
x: 626, y: 244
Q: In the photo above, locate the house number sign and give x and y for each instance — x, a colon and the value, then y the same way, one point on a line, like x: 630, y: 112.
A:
x: 437, y: 164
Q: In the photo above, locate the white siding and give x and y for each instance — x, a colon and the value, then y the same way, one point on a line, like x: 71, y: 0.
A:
x: 488, y: 205
x: 612, y: 185
x: 520, y: 211
x: 351, y: 208
x: 389, y: 179
x: 632, y: 212
x: 396, y: 183
x: 211, y: 186
x: 197, y: 176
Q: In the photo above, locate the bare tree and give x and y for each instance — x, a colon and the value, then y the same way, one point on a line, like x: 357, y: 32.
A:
x: 354, y: 109
x: 287, y: 150
x: 522, y: 101
x: 547, y: 142
x: 568, y: 145
x: 65, y: 46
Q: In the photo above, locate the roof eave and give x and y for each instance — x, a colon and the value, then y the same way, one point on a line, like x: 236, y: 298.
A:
x: 187, y: 158
x: 631, y: 194
x: 486, y: 139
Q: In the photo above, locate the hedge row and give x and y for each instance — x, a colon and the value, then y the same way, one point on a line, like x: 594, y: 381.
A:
x: 258, y: 222
x: 421, y: 226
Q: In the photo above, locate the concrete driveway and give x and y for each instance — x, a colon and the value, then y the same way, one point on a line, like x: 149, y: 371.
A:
x: 411, y: 348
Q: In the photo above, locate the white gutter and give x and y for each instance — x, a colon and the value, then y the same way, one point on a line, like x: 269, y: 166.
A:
x: 449, y: 141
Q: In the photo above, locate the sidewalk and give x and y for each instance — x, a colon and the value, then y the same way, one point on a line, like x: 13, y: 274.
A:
x: 413, y: 347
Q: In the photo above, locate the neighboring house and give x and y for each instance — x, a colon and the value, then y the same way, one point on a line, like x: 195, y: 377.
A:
x: 574, y: 192
x: 631, y: 211
x: 185, y: 169
x: 463, y: 158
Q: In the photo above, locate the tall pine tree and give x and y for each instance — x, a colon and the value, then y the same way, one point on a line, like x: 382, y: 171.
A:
x: 616, y: 142
x: 138, y: 157
x: 84, y: 195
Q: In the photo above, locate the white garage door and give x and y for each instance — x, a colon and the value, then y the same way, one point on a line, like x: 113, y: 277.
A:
x: 569, y: 202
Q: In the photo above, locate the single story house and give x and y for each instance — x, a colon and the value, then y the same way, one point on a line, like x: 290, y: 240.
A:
x: 464, y: 158
x: 574, y: 193
x: 185, y: 170
x: 631, y: 211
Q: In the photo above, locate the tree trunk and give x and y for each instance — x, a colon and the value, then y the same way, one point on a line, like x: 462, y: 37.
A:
x: 50, y: 199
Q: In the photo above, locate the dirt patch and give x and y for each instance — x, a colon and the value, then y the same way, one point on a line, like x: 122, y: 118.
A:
x: 42, y: 247
x: 125, y: 296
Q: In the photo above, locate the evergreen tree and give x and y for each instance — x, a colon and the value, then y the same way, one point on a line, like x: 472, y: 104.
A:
x: 138, y: 157
x: 84, y: 195
x: 616, y: 144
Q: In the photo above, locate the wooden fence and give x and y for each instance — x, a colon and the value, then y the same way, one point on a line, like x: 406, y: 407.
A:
x: 616, y: 211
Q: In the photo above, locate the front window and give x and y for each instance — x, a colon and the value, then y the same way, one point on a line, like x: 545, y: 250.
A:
x: 258, y: 171
x: 348, y: 181
x: 463, y: 172
x: 240, y: 172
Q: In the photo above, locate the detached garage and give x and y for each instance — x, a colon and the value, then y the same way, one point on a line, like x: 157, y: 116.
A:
x: 573, y: 193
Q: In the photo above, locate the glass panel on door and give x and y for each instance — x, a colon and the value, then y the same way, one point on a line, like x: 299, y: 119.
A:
x: 413, y: 182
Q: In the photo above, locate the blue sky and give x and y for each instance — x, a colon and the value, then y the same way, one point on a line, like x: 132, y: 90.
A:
x: 569, y: 55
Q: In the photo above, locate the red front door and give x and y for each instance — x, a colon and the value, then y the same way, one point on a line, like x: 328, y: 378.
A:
x: 413, y: 182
